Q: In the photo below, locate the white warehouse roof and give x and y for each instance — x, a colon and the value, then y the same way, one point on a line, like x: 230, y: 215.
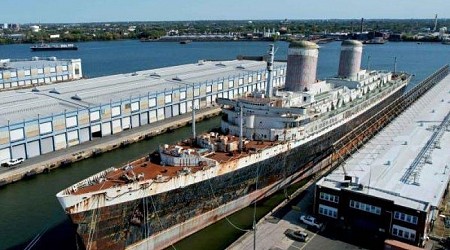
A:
x: 34, y: 63
x: 408, y: 162
x: 23, y: 104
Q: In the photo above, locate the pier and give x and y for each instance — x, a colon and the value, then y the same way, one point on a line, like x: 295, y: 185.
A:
x: 47, y: 162
x: 270, y: 229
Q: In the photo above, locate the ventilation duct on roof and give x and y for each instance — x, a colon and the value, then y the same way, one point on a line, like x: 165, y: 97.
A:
x: 240, y: 67
x: 176, y: 78
x: 155, y: 75
x: 34, y: 89
x: 54, y: 91
x: 221, y: 64
x: 76, y: 97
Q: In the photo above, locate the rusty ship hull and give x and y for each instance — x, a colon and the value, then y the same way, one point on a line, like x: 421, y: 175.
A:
x: 155, y: 221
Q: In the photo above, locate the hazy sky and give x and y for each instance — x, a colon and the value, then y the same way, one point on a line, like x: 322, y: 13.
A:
x: 55, y: 11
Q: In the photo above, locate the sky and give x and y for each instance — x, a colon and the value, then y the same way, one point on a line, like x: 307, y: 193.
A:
x: 76, y: 11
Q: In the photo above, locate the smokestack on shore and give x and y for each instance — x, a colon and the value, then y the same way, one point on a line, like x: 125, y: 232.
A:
x: 350, y: 60
x: 301, y: 65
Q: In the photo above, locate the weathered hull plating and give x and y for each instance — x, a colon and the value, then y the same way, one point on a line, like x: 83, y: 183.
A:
x: 155, y: 222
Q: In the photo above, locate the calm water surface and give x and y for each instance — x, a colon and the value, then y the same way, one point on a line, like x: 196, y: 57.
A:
x: 29, y: 208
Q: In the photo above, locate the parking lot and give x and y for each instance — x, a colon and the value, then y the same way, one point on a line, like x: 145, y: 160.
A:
x: 270, y: 232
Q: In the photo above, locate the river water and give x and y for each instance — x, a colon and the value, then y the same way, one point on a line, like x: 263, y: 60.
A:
x: 29, y: 208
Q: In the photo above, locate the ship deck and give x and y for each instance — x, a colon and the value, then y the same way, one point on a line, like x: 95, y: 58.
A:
x: 150, y: 170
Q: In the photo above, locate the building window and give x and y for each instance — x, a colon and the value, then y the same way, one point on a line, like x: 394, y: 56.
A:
x: 403, y: 232
x: 135, y: 106
x: 152, y: 102
x: 168, y: 98
x: 27, y: 72
x: 13, y: 74
x: 405, y: 217
x: 45, y: 128
x: 64, y: 67
x: 230, y: 83
x: 274, y: 73
x: 250, y: 79
x: 328, y: 211
x: 95, y: 116
x: 365, y: 207
x: 329, y: 197
x: 208, y: 89
x: 182, y: 95
x: 16, y: 134
x: 196, y: 92
x: 40, y: 71
x: 220, y: 86
x: 115, y: 111
x: 258, y: 77
x: 241, y: 81
x: 52, y: 69
x: 281, y: 72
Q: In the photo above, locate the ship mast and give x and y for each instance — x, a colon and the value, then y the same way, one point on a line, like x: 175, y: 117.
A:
x: 241, y: 125
x: 269, y: 87
x: 193, y: 121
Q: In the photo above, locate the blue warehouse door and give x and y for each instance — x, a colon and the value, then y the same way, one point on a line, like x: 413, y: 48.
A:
x: 47, y: 145
x: 144, y: 118
x: 135, y: 121
x: 33, y: 149
x: 4, y: 155
x: 19, y: 151
x: 168, y: 111
x: 84, y: 135
x: 175, y: 110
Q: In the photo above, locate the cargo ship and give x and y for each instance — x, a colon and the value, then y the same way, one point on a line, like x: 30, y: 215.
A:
x: 52, y: 47
x: 268, y: 139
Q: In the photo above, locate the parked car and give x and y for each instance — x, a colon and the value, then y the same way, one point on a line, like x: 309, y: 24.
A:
x: 311, y: 221
x: 296, y: 235
x: 12, y: 162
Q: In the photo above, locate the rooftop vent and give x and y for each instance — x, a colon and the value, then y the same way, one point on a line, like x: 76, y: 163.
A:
x: 176, y: 78
x: 35, y: 58
x: 34, y: 89
x: 54, y: 91
x: 52, y: 58
x: 154, y: 74
x: 76, y: 97
x: 221, y: 64
x: 240, y: 67
x: 134, y: 74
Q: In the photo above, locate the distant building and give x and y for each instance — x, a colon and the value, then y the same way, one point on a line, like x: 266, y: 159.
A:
x: 15, y: 26
x: 16, y: 37
x: 395, y: 37
x: 37, y: 71
x: 35, y: 28
x: 55, y: 36
x: 5, y: 26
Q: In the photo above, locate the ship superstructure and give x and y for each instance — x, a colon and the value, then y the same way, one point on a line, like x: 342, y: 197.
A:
x: 268, y: 139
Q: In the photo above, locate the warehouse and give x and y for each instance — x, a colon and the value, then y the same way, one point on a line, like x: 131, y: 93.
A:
x: 37, y: 71
x: 394, y: 185
x: 52, y: 117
